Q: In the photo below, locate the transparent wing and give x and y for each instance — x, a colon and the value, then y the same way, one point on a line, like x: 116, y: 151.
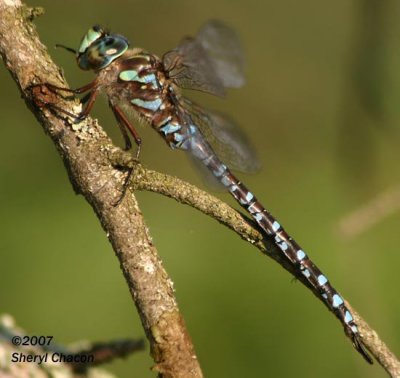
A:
x: 223, y: 47
x: 209, y: 62
x: 225, y: 137
x: 190, y: 68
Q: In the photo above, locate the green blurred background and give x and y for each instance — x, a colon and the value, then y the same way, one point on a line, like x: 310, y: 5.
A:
x: 322, y: 107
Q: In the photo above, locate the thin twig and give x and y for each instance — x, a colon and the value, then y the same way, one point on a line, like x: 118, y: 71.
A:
x: 370, y: 213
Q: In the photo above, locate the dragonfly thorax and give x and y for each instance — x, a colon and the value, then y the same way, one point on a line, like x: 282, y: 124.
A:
x: 99, y: 48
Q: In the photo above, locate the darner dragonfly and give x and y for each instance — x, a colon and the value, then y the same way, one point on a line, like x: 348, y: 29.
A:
x: 134, y: 79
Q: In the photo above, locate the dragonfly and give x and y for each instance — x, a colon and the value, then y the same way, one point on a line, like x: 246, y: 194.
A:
x: 136, y: 80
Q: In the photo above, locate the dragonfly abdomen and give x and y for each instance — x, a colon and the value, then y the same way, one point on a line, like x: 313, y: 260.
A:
x: 295, y: 254
x: 271, y: 227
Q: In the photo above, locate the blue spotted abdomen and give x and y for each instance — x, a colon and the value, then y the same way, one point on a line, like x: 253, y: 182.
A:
x: 287, y: 245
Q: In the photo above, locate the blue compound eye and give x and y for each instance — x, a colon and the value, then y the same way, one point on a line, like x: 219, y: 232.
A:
x: 91, y: 36
x: 98, y: 49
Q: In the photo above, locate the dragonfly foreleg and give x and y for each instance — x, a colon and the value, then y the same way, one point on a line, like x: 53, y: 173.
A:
x: 80, y: 90
x: 90, y: 99
x: 44, y: 97
x: 125, y: 125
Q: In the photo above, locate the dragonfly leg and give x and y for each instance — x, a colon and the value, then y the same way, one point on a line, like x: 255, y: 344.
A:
x: 125, y: 125
x: 80, y: 90
x: 90, y: 99
x: 44, y: 98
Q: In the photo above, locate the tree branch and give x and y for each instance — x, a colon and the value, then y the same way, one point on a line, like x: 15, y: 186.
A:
x: 87, y: 153
x: 84, y: 149
x: 188, y: 194
x: 370, y: 213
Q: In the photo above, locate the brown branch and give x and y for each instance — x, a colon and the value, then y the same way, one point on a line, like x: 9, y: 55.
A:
x: 87, y: 152
x: 188, y: 194
x: 84, y: 149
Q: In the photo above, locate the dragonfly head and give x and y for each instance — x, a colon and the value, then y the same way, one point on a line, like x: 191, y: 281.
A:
x: 99, y: 48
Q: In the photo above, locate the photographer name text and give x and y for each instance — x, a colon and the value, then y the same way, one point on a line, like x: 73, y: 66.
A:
x: 52, y: 357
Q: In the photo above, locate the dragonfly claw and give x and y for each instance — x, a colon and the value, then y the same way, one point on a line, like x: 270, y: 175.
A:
x: 126, y: 162
x: 125, y: 187
x: 80, y: 118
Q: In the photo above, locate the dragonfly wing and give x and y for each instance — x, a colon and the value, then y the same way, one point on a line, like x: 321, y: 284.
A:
x: 190, y: 67
x: 208, y: 62
x: 225, y: 137
x: 223, y: 47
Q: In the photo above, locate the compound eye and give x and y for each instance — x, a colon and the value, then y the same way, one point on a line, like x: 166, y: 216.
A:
x: 110, y: 41
x: 98, y: 50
